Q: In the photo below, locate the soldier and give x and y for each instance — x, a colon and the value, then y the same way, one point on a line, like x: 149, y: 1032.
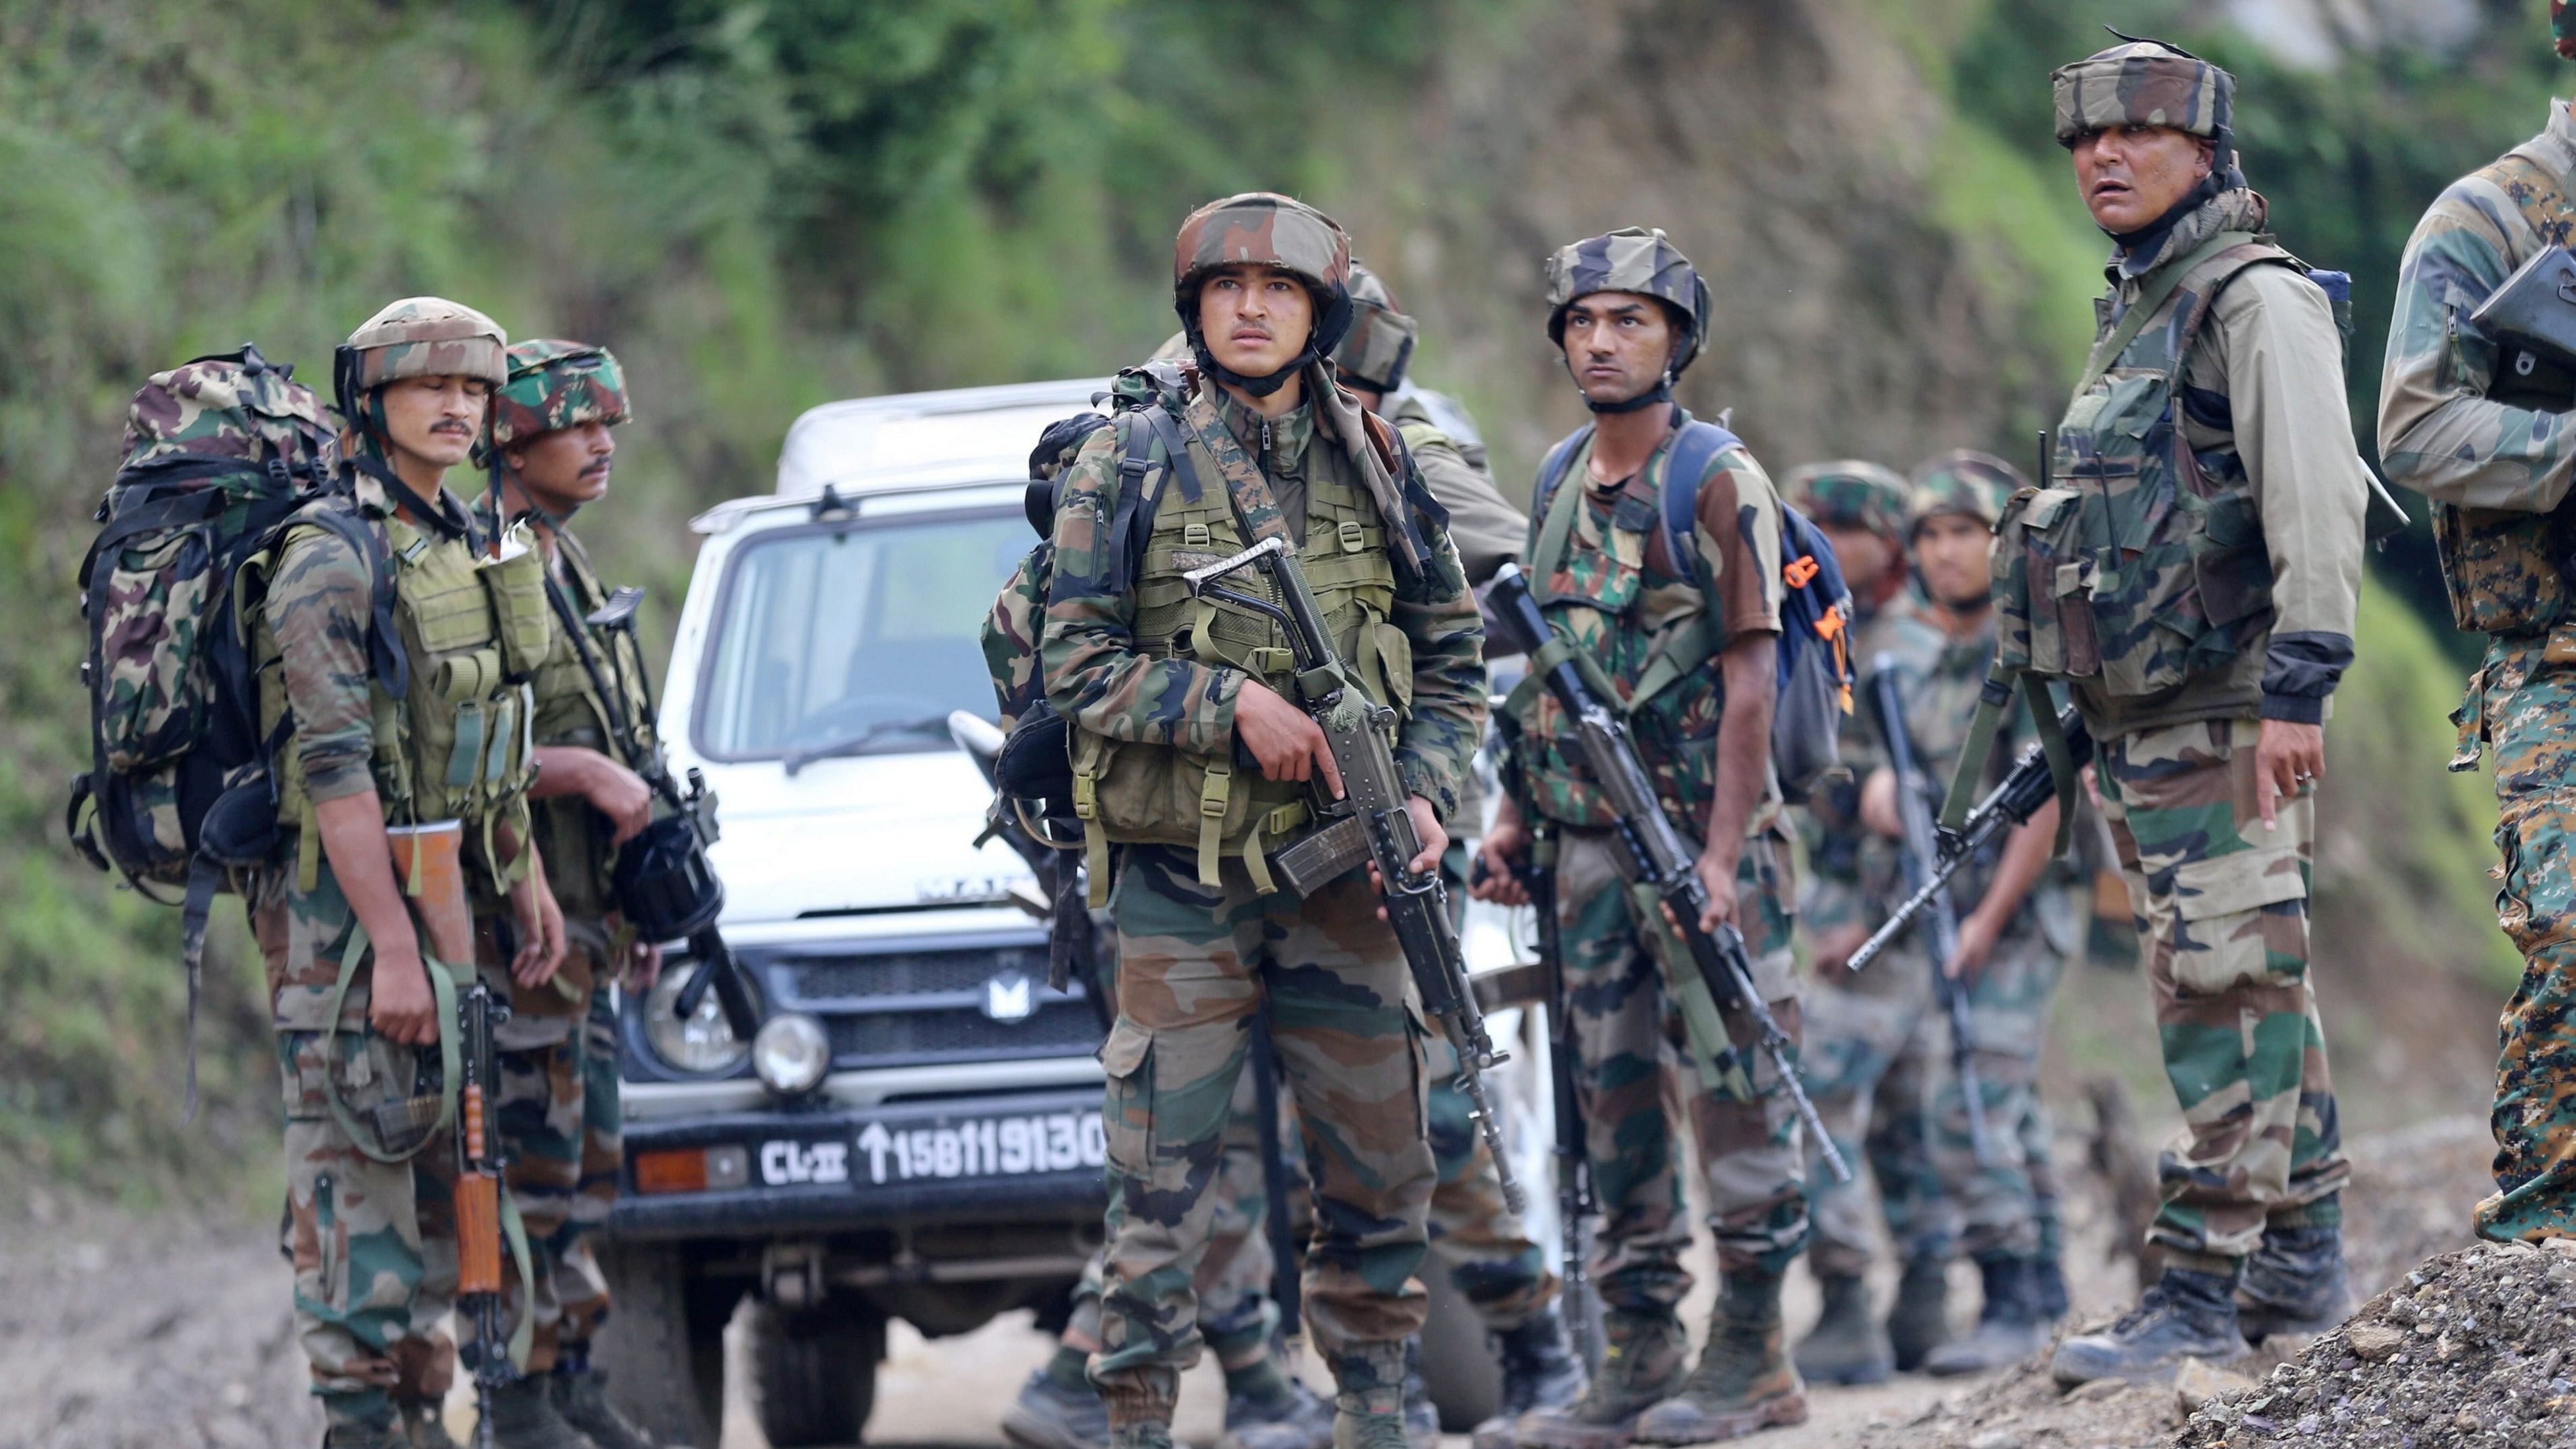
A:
x: 559, y: 1082
x: 1866, y: 1051
x: 2480, y: 427
x: 1942, y: 649
x: 356, y: 1013
x: 2209, y: 436
x: 1629, y: 313
x: 1187, y: 756
x: 1491, y: 1257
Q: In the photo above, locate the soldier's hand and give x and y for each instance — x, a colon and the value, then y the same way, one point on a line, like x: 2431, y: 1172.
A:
x: 643, y: 967
x: 2288, y: 759
x: 1878, y: 804
x: 1976, y: 946
x: 620, y: 794
x: 1501, y: 851
x: 1288, y: 743
x: 1428, y: 833
x: 399, y: 1004
x: 541, y: 930
x: 1835, y: 944
x: 1717, y: 877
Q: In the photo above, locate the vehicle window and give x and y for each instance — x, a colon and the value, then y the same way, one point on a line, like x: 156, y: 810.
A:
x: 855, y: 640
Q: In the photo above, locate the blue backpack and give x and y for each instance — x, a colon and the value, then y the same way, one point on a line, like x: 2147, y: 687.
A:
x: 1815, y: 685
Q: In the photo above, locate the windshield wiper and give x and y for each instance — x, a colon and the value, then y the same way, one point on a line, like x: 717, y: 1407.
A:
x: 796, y: 760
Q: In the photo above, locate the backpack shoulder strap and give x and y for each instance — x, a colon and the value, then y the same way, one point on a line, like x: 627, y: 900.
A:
x: 338, y: 515
x: 1133, y: 523
x: 1685, y: 464
x: 1552, y: 512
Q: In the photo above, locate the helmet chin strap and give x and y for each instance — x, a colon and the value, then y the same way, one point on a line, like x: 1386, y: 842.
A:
x: 1662, y: 391
x: 1262, y: 386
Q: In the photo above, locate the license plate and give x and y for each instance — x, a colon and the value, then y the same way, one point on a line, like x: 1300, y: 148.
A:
x: 1018, y: 1145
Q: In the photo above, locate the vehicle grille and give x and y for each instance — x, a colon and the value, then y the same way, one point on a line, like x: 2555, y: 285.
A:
x: 908, y: 1005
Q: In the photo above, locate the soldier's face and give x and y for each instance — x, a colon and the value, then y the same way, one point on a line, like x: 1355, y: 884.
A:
x: 1255, y: 319
x: 1953, y: 551
x: 562, y: 470
x: 1617, y: 344
x: 2130, y: 175
x: 1865, y: 556
x: 435, y: 419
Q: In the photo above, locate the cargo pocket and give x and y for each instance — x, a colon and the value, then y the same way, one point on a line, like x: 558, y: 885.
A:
x: 2226, y: 932
x: 1127, y: 1060
x: 2534, y: 904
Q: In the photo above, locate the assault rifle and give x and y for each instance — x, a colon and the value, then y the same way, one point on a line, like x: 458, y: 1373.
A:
x: 1369, y: 822
x: 478, y: 1199
x: 1653, y: 854
x: 664, y: 884
x: 1921, y: 854
x: 2007, y: 807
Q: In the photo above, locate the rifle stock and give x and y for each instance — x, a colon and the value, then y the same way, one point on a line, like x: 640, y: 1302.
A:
x: 1417, y: 904
x: 1654, y: 856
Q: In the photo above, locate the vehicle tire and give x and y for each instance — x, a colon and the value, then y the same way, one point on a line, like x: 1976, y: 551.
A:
x: 814, y: 1376
x: 663, y: 1321
x: 1458, y: 1363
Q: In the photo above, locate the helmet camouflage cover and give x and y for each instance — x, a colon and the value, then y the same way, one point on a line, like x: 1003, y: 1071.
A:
x: 1851, y: 494
x: 428, y: 337
x: 1261, y: 228
x: 1973, y: 484
x: 1379, y: 346
x: 555, y: 384
x: 1631, y: 259
x: 2141, y: 83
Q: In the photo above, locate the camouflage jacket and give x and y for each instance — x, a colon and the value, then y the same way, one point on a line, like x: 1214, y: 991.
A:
x: 2493, y: 453
x: 1100, y: 681
x: 1483, y: 524
x: 2262, y: 395
x: 1617, y: 598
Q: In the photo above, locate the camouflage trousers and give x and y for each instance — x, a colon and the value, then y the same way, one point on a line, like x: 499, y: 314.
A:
x: 1632, y: 1064
x: 581, y: 1288
x: 2009, y: 1205
x: 2521, y: 703
x: 1869, y: 1057
x: 2222, y: 914
x: 1195, y: 963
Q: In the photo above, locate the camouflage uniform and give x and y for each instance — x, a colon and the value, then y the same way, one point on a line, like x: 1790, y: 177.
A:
x: 2482, y: 429
x: 372, y: 1246
x: 558, y: 1099
x: 2210, y: 385
x: 1201, y: 944
x: 1864, y: 1054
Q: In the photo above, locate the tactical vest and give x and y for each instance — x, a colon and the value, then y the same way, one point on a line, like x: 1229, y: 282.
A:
x: 570, y: 711
x: 457, y: 744
x: 1153, y: 794
x: 2143, y: 563
x: 2507, y: 570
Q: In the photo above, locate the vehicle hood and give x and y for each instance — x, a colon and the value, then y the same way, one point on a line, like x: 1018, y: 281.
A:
x: 870, y: 833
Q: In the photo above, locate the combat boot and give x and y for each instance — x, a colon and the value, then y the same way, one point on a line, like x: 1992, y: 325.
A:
x: 1421, y: 1416
x: 1642, y: 1364
x: 2185, y: 1315
x: 1059, y: 1409
x: 524, y: 1417
x: 2009, y: 1327
x: 581, y: 1396
x: 423, y: 1424
x: 1368, y: 1407
x: 1269, y: 1408
x: 2294, y: 1283
x: 1919, y: 1320
x: 1139, y: 1415
x: 380, y: 1432
x: 1540, y: 1371
x: 1744, y: 1383
x: 1846, y: 1346
x: 2048, y: 1287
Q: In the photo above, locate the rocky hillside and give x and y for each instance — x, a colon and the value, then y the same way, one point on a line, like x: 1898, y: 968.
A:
x: 765, y: 207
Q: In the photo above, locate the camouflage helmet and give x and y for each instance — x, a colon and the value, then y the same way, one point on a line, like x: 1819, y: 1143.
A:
x: 2562, y: 28
x: 426, y: 337
x: 555, y: 384
x: 1265, y: 229
x: 1379, y: 346
x: 1969, y: 483
x: 1631, y: 259
x: 2143, y: 83
x: 1851, y: 494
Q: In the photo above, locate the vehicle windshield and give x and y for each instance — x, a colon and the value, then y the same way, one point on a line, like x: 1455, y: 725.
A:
x: 855, y: 639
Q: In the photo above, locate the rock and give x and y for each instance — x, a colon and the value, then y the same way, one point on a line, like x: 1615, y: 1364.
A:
x: 2097, y: 1391
x: 2373, y: 1342
x: 1995, y: 1439
x: 2197, y: 1383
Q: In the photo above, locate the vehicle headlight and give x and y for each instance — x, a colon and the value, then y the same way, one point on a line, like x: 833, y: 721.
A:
x: 791, y: 1053
x: 702, y: 1044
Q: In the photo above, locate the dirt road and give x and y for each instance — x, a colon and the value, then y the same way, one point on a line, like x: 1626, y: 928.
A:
x: 162, y: 1332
